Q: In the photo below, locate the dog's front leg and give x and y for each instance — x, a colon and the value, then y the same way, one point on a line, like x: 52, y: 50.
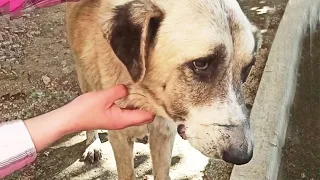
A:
x: 93, y: 151
x: 122, y: 147
x: 162, y: 137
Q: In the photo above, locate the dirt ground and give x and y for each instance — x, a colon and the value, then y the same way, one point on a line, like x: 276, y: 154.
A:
x: 300, y: 155
x: 37, y: 74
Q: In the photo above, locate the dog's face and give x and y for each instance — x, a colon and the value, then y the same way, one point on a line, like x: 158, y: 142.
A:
x: 191, y: 59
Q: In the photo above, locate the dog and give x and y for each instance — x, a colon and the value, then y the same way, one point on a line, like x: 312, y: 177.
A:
x: 183, y: 60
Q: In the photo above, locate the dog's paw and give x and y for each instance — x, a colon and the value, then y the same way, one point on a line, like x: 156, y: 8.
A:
x: 148, y: 177
x: 93, y: 152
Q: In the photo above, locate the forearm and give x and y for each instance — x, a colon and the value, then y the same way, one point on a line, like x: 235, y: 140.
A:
x: 49, y: 127
x: 20, y: 140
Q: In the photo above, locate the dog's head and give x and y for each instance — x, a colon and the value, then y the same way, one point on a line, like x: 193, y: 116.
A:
x: 190, y: 59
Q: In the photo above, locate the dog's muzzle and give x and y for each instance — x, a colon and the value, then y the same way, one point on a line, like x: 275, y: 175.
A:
x: 231, y: 143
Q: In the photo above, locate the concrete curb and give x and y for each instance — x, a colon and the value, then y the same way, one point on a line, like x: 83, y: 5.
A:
x: 271, y: 109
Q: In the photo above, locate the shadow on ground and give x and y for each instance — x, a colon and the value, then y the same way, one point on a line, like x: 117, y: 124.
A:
x: 61, y: 161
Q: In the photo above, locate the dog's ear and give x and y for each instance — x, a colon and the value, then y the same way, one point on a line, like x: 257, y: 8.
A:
x: 131, y: 32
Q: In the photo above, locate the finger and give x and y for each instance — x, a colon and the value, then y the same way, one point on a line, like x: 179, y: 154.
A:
x: 132, y: 118
x: 112, y: 94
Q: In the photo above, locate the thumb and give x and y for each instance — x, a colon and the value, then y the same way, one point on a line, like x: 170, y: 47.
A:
x: 112, y: 94
x: 127, y: 118
x: 136, y: 116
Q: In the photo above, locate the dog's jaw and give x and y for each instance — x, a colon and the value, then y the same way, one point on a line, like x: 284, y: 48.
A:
x: 215, y: 129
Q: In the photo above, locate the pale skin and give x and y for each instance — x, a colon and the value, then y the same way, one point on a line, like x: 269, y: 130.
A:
x: 90, y: 111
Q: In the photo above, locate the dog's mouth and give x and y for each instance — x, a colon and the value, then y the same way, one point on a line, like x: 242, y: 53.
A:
x: 182, y: 131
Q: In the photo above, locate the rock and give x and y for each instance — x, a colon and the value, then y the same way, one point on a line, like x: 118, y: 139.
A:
x: 29, y: 35
x: 64, y: 63
x: 25, y: 15
x: 11, y: 60
x: 46, y: 80
x: 15, y: 46
x: 3, y: 57
x: 10, y: 39
x: 37, y: 32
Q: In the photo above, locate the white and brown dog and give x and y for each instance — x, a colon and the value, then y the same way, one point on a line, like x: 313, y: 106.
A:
x: 185, y: 60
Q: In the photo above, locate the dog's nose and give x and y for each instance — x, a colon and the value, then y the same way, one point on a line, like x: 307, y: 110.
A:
x: 238, y: 156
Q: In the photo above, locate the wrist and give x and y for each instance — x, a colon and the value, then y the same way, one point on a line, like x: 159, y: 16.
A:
x: 65, y: 122
x: 61, y: 120
x: 69, y: 119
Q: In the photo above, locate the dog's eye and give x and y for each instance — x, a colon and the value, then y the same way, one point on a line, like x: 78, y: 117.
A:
x: 202, y: 68
x: 200, y: 65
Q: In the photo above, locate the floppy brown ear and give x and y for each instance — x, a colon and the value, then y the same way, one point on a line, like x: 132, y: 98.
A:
x: 131, y: 32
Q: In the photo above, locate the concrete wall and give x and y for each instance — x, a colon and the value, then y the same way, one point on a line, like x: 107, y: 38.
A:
x: 271, y: 109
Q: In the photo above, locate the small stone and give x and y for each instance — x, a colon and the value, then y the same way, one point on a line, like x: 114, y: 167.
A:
x: 29, y: 35
x: 303, y: 175
x: 15, y: 45
x: 6, y: 43
x: 37, y: 32
x: 25, y: 15
x: 64, y: 63
x: 4, y: 71
x: 11, y: 60
x: 46, y: 80
x: 10, y: 39
x: 3, y: 57
x: 18, y: 31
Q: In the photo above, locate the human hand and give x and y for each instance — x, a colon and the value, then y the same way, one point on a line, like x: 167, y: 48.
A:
x: 89, y: 111
x: 96, y: 110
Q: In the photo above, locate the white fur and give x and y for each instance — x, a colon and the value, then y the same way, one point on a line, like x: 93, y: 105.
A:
x: 204, y: 125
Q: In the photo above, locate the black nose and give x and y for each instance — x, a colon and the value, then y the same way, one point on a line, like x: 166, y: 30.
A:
x: 237, y: 156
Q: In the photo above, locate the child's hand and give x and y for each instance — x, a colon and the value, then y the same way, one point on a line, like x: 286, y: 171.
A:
x: 90, y: 111
x: 96, y: 110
